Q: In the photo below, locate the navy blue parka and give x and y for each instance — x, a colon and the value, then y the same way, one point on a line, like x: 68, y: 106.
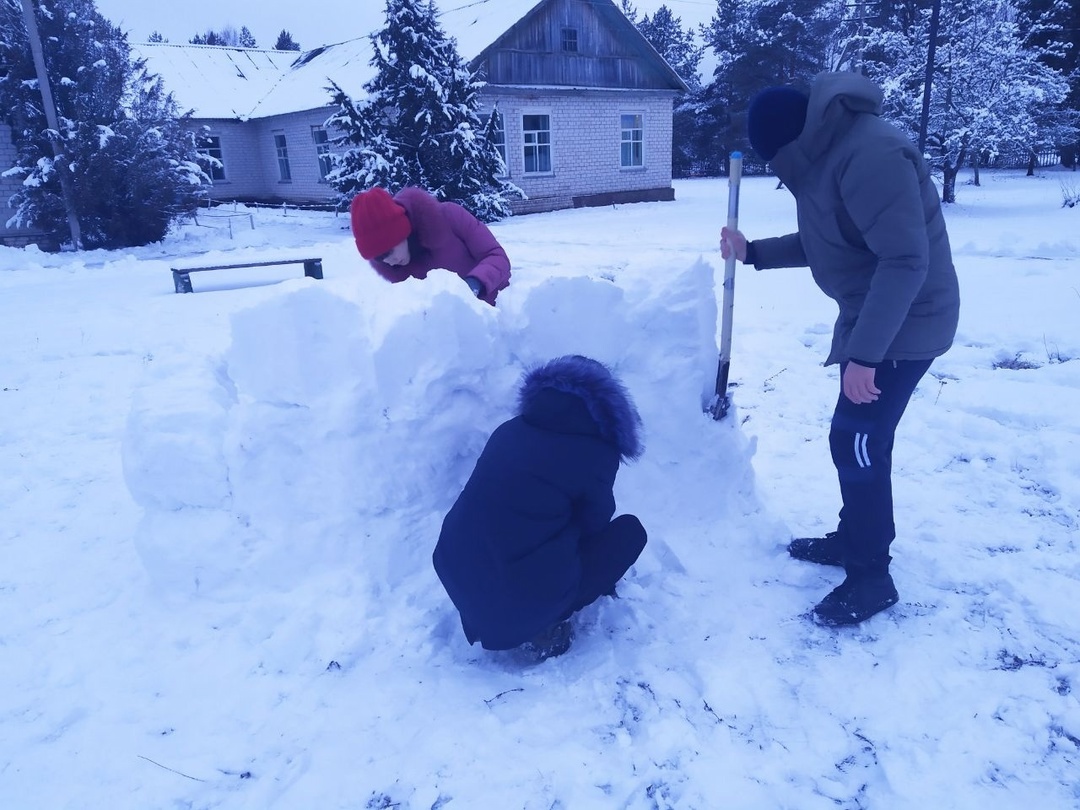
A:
x: 531, y: 538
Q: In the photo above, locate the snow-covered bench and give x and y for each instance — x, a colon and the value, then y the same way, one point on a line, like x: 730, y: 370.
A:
x: 182, y: 281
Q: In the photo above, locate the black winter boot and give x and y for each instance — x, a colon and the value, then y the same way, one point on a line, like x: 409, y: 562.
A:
x: 549, y: 644
x: 827, y: 550
x: 862, y: 594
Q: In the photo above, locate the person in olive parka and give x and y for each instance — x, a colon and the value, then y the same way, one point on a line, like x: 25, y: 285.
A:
x: 872, y: 232
x: 531, y: 539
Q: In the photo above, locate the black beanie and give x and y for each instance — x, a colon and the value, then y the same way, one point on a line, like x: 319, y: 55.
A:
x: 775, y: 119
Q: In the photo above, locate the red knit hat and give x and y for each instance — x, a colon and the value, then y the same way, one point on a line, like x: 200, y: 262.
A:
x: 379, y: 223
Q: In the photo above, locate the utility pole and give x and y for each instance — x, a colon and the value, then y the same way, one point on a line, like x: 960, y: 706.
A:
x: 861, y: 11
x: 931, y: 49
x: 52, y: 122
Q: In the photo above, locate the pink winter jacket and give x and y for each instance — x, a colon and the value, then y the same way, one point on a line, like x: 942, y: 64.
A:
x: 449, y: 238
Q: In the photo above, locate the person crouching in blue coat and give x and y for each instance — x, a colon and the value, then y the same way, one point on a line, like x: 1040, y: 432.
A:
x: 531, y: 540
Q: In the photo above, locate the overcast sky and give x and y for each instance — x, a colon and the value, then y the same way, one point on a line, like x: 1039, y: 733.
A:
x: 318, y: 24
x: 321, y: 23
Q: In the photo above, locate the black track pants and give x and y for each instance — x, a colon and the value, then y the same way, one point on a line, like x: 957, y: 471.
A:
x: 861, y: 441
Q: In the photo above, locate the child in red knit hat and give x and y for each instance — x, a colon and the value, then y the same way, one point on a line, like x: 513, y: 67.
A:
x: 412, y: 233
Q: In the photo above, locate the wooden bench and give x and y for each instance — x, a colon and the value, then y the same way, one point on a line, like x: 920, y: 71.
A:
x: 182, y: 281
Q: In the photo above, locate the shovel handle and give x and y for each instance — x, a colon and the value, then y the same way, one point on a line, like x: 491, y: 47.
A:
x: 728, y: 310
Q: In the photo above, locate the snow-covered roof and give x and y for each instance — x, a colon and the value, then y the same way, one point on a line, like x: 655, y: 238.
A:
x: 475, y: 24
x: 244, y: 83
x: 215, y: 81
x: 305, y: 84
x: 225, y: 82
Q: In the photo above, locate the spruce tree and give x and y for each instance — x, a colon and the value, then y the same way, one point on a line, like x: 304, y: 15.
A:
x: 679, y: 47
x: 768, y: 42
x: 285, y: 42
x: 419, y: 123
x: 132, y: 162
x: 676, y: 44
x: 759, y: 43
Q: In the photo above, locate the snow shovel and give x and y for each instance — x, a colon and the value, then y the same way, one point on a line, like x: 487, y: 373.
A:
x: 721, y: 401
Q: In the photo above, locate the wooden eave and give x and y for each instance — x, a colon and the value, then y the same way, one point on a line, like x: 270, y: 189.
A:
x: 619, y: 25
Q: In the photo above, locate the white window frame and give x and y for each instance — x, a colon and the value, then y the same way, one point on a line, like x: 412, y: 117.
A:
x: 532, y: 141
x: 632, y: 140
x: 281, y: 149
x: 322, y: 151
x: 210, y: 145
x: 500, y: 132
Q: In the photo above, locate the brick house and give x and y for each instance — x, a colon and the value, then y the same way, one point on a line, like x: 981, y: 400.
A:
x: 585, y: 99
x: 586, y: 103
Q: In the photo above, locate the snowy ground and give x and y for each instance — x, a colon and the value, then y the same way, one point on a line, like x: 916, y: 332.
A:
x: 216, y: 589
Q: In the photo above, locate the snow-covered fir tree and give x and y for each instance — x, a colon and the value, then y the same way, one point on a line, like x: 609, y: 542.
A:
x: 131, y: 157
x: 419, y: 124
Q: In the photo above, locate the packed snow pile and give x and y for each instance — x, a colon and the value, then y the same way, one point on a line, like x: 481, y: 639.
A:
x: 328, y: 426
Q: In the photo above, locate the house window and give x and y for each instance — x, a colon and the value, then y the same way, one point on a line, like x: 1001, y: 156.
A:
x: 569, y: 40
x: 536, y: 131
x: 210, y: 146
x: 632, y: 154
x: 281, y: 146
x: 322, y: 151
x: 496, y: 132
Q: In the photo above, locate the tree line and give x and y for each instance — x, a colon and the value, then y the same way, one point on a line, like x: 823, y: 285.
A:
x: 1004, y: 80
x: 230, y: 37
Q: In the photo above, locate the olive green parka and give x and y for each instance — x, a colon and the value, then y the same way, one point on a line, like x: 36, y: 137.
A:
x: 871, y: 228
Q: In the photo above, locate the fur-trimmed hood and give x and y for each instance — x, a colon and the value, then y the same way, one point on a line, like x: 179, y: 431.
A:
x: 606, y: 399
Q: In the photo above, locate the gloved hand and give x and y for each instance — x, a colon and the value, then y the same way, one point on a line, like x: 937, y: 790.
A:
x: 475, y: 285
